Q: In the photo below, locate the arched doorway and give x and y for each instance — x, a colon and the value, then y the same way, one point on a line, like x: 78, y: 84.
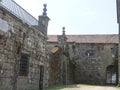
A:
x: 111, y: 75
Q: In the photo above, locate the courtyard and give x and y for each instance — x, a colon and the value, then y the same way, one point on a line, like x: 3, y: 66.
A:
x: 82, y: 87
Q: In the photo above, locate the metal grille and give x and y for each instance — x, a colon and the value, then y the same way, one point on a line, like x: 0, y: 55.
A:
x: 24, y: 65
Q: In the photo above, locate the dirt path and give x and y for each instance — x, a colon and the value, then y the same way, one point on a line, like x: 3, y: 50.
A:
x: 83, y: 87
x: 96, y: 88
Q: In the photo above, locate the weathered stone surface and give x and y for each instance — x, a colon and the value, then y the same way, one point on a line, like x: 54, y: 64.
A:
x: 60, y: 66
x: 17, y: 37
x: 88, y: 62
x: 91, y: 69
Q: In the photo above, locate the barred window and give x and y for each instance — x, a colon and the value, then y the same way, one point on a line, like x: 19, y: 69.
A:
x: 24, y: 64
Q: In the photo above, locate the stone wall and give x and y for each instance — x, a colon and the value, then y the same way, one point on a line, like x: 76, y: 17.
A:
x: 88, y: 63
x: 54, y: 65
x: 16, y: 39
x: 55, y: 70
x: 91, y: 61
x: 61, y: 69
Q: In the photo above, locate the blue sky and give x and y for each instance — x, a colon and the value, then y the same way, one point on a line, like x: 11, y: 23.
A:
x: 78, y: 16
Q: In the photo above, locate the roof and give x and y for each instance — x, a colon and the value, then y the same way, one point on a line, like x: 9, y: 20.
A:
x: 100, y: 38
x: 18, y: 11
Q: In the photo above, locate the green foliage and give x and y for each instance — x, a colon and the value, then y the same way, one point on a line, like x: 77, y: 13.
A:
x: 0, y: 0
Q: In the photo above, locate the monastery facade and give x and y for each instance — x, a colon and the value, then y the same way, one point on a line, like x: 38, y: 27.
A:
x: 32, y: 60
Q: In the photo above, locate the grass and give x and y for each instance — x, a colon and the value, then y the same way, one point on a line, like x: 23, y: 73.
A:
x: 62, y: 87
x: 74, y: 87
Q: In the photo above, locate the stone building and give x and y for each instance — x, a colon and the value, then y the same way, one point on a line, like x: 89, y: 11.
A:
x: 60, y: 65
x: 23, y: 59
x: 31, y: 60
x: 94, y: 58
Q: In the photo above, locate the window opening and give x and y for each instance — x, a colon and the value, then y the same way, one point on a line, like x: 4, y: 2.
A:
x: 24, y: 64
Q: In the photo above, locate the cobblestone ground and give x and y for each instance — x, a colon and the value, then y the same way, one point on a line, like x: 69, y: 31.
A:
x: 83, y: 87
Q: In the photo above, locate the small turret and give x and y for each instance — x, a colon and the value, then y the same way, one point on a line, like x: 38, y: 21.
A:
x: 44, y: 19
x: 62, y: 39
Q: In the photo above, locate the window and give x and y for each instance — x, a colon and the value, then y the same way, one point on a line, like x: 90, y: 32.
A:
x: 89, y: 53
x: 1, y: 36
x: 1, y: 71
x: 3, y: 25
x: 24, y: 64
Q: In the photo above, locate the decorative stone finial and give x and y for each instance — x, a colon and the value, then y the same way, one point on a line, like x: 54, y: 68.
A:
x: 44, y: 10
x: 63, y: 30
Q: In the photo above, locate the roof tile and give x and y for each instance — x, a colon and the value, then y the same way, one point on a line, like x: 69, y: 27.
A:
x: 98, y: 38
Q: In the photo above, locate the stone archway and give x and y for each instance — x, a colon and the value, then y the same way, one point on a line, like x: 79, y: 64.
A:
x: 111, y: 75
